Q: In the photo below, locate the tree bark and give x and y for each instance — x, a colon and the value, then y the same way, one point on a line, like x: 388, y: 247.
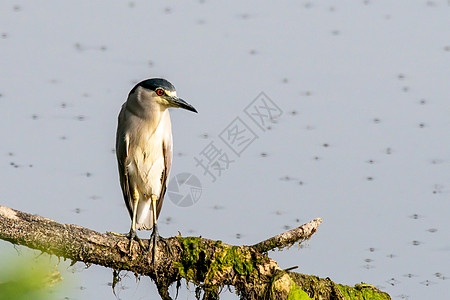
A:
x: 209, y: 264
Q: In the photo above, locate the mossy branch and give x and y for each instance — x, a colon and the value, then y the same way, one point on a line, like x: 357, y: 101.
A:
x: 209, y: 264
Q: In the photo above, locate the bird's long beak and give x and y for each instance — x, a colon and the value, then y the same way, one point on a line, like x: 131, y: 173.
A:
x: 178, y: 102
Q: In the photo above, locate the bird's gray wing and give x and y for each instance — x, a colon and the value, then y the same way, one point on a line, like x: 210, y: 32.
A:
x: 167, y: 153
x: 122, y: 144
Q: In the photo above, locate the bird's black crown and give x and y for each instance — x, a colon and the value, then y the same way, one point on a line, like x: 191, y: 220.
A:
x: 153, y: 84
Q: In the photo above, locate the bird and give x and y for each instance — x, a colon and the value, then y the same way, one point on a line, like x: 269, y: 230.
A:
x: 144, y: 148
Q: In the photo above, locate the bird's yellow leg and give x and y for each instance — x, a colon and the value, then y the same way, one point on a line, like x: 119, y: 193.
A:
x: 132, y: 234
x: 154, y: 208
x: 154, y: 236
x: 135, y: 206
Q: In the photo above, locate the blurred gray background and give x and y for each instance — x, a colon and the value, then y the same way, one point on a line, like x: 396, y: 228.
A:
x: 363, y: 140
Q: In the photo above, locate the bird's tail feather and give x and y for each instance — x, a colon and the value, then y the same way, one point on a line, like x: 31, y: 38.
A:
x: 144, y: 216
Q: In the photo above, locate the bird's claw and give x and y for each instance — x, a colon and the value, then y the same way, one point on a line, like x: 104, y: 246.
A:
x: 131, y: 236
x: 153, y: 244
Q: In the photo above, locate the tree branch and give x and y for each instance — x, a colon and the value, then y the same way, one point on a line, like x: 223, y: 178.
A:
x: 207, y: 263
x: 286, y: 239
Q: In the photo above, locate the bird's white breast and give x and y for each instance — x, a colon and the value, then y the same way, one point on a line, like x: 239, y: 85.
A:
x: 147, y: 161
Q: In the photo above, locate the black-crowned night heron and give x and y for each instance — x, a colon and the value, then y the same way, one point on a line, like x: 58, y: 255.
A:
x: 144, y: 152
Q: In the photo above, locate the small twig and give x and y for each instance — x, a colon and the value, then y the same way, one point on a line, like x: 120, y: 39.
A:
x: 290, y: 237
x: 291, y: 268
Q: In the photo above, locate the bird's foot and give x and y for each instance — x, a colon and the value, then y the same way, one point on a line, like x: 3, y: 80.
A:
x: 131, y: 236
x: 153, y: 244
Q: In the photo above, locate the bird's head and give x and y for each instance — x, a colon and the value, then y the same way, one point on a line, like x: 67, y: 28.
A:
x: 162, y: 92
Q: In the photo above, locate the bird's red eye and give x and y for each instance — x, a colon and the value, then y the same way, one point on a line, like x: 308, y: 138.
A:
x: 159, y: 92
